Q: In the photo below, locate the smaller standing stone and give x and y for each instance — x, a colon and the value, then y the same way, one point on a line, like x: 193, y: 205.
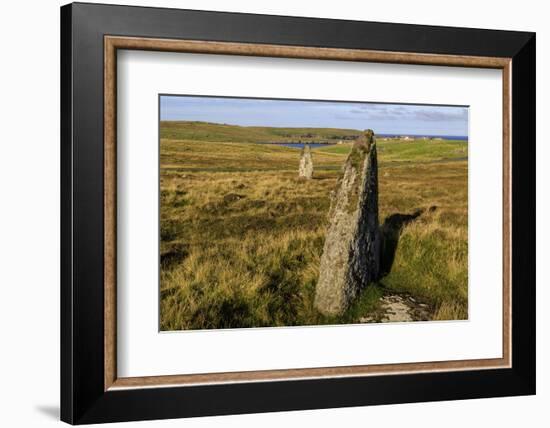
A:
x: 305, y: 169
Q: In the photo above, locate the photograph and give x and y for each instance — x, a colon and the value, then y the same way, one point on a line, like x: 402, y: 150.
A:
x: 260, y: 213
x: 281, y: 212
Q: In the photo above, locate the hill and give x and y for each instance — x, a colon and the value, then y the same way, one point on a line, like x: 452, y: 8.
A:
x: 206, y: 131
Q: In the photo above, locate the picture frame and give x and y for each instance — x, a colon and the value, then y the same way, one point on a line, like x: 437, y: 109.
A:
x: 91, y: 390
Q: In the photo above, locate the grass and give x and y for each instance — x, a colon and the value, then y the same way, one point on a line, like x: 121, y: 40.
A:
x: 242, y: 236
x: 431, y: 258
x: 410, y: 151
x: 217, y: 132
x: 187, y: 155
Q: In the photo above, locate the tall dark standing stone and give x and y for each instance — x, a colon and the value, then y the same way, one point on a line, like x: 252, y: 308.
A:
x: 305, y: 170
x: 351, y: 254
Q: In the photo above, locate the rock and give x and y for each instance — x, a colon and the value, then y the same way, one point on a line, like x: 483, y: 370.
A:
x: 232, y: 197
x: 305, y: 170
x: 351, y: 253
x: 396, y: 309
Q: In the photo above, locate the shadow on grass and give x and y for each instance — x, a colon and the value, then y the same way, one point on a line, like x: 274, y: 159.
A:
x: 390, y: 232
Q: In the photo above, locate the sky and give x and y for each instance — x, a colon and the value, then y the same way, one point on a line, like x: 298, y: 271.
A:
x: 382, y: 118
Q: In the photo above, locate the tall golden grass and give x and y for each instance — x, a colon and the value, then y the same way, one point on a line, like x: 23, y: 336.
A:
x: 242, y: 236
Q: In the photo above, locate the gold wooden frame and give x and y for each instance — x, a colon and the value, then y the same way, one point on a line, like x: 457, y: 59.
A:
x: 113, y: 43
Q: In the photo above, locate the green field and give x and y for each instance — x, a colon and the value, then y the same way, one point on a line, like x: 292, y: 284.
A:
x: 217, y: 132
x: 242, y: 236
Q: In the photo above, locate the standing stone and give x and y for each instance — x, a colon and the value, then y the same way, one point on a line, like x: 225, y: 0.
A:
x: 305, y: 170
x: 351, y: 255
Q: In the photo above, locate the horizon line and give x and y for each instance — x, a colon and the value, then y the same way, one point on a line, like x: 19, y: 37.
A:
x: 315, y: 127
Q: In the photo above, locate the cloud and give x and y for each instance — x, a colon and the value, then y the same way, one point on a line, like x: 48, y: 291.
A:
x: 410, y: 112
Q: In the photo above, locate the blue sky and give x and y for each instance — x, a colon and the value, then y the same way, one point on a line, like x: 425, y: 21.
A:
x: 382, y: 118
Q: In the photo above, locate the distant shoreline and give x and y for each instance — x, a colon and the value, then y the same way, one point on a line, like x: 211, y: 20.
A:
x: 445, y: 137
x: 335, y: 142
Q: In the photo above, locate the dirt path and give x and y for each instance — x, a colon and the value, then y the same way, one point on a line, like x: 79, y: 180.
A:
x: 399, y: 308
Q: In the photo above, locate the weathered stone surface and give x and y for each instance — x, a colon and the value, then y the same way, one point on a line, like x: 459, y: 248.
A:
x: 305, y: 170
x: 351, y: 254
